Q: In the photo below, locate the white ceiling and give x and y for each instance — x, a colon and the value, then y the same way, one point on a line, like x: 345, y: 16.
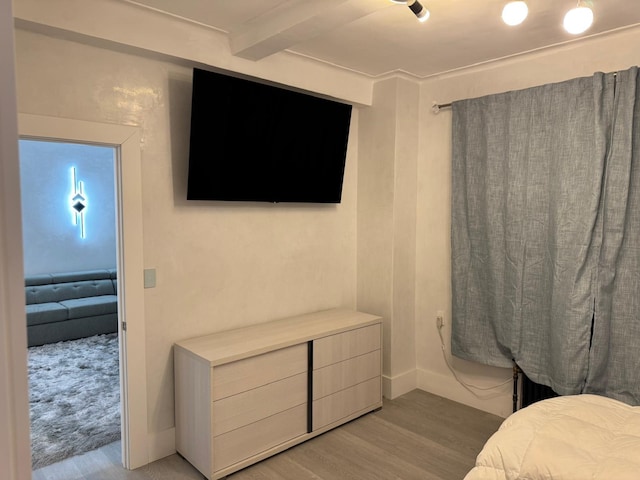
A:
x: 377, y: 37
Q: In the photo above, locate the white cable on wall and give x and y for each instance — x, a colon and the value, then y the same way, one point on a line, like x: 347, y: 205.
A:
x: 468, y: 386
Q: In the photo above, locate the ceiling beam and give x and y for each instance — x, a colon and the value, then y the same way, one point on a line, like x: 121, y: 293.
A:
x: 295, y: 21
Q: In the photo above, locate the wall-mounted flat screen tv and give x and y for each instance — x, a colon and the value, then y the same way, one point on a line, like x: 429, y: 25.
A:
x: 261, y: 143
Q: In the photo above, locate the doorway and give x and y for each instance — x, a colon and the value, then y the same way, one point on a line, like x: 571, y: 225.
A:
x: 69, y: 245
x: 128, y: 198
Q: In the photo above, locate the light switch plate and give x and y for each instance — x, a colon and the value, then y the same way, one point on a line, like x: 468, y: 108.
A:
x: 149, y: 278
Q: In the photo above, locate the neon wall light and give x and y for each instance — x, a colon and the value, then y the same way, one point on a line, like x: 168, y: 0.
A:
x: 78, y: 202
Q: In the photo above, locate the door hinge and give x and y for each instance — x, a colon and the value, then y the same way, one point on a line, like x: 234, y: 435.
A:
x: 124, y: 326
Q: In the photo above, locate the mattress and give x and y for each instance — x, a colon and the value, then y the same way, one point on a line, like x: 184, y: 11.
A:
x: 575, y: 437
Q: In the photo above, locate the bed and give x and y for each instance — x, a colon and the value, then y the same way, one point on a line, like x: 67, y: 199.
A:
x: 578, y: 437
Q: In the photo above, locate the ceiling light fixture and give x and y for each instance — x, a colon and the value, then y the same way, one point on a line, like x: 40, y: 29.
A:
x: 421, y: 13
x: 576, y: 21
x: 514, y: 13
x: 418, y: 10
x: 579, y: 19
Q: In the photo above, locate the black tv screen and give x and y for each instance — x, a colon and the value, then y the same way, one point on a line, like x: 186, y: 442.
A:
x: 260, y: 143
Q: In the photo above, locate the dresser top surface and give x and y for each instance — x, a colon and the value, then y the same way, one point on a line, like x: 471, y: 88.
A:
x: 231, y: 345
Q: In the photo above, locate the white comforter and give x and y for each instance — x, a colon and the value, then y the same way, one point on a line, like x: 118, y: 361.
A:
x: 580, y: 437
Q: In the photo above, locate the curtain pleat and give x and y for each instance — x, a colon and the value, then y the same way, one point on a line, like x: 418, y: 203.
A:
x: 527, y: 183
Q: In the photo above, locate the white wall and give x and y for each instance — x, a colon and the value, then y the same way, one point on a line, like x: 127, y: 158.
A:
x: 218, y: 265
x: 15, y: 457
x: 52, y: 232
x: 386, y: 224
x: 433, y: 285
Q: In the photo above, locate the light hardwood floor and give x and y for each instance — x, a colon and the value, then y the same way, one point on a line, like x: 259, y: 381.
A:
x: 416, y: 436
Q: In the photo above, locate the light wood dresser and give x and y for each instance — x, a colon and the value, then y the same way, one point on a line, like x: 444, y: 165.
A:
x: 246, y: 394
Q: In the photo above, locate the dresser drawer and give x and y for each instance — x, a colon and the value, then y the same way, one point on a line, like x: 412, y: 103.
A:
x: 250, y: 440
x: 342, y: 346
x: 338, y: 376
x: 249, y: 373
x: 333, y: 408
x: 250, y: 406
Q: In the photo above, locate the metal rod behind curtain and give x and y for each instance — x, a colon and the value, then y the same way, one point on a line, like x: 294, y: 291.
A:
x: 436, y: 107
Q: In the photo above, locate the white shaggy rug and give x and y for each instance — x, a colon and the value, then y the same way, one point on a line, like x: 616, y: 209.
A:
x: 74, y: 397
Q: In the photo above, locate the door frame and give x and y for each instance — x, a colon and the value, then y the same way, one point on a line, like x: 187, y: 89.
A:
x: 131, y: 325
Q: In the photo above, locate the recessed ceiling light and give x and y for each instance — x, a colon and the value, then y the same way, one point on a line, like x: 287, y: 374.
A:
x: 578, y: 19
x: 514, y: 13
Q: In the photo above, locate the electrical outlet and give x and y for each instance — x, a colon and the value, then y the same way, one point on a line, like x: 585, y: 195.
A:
x: 440, y: 318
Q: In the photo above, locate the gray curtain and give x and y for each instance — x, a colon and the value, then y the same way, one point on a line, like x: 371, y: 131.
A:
x: 542, y: 219
x: 614, y: 366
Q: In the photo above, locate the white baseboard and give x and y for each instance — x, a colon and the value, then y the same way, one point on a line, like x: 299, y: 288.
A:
x: 498, y: 402
x: 161, y: 444
x: 393, y: 387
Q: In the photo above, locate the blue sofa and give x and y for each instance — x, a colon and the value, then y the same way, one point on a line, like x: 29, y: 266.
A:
x: 68, y: 306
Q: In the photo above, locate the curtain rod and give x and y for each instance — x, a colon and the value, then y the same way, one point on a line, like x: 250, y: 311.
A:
x: 436, y: 107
